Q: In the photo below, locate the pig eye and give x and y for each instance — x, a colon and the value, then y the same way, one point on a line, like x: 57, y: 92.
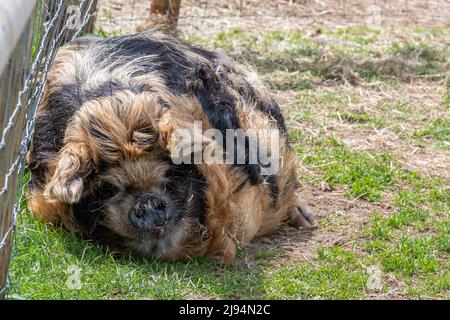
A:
x: 108, y: 190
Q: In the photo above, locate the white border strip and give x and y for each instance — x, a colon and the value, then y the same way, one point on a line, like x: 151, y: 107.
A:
x: 14, y: 15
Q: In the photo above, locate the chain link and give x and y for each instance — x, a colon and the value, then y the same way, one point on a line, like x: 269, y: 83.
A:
x: 51, y: 31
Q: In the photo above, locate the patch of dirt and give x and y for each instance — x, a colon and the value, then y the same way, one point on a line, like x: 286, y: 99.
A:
x: 342, y: 222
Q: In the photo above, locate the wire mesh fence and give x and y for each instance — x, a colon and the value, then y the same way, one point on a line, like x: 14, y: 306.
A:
x: 50, y: 25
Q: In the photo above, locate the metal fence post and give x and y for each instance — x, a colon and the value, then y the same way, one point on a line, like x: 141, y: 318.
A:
x: 168, y: 8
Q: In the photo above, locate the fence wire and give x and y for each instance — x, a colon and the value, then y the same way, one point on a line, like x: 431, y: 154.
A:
x: 128, y: 15
x: 21, y: 88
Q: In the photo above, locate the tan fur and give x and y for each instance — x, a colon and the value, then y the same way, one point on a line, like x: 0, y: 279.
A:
x: 48, y: 209
x: 233, y: 218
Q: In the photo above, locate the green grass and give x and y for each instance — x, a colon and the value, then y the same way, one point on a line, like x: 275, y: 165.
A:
x: 282, y: 80
x: 327, y: 98
x: 432, y: 57
x: 45, y: 260
x: 44, y: 257
x: 338, y: 274
x: 446, y: 102
x: 438, y: 130
x: 413, y: 243
x: 407, y: 256
x: 100, y: 32
x: 359, y: 117
x: 367, y: 175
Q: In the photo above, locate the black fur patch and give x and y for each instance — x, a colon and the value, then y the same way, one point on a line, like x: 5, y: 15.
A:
x: 187, y: 188
x: 272, y: 109
x: 186, y: 76
x: 88, y: 215
x: 269, y: 107
x: 273, y: 186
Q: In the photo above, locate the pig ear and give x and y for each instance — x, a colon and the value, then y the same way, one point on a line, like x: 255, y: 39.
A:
x: 72, y: 169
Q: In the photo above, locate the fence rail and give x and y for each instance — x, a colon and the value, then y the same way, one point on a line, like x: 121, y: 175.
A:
x: 28, y: 49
